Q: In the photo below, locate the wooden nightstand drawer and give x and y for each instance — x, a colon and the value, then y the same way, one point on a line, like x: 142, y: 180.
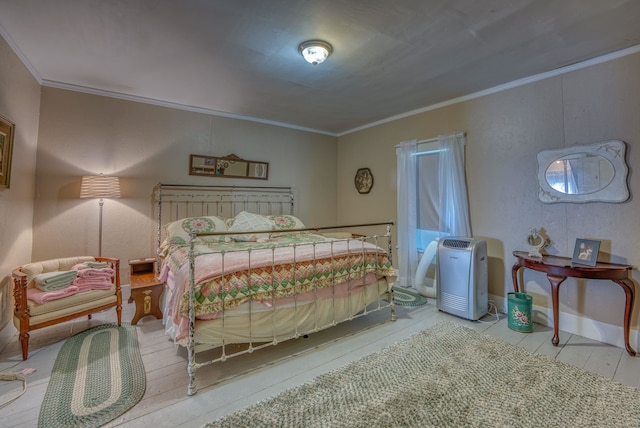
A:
x: 146, y: 288
x: 142, y: 266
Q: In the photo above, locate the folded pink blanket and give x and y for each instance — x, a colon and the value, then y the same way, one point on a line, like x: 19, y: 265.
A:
x: 94, y: 279
x: 96, y: 273
x: 42, y: 297
x: 86, y: 284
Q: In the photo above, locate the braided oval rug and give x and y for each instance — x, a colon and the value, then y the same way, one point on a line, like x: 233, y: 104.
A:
x: 449, y: 376
x: 97, y: 376
x: 407, y: 297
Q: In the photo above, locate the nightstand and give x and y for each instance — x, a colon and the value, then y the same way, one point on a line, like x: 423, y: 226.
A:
x: 146, y: 289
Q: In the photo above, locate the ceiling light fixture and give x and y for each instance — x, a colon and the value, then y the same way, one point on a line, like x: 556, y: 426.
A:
x: 315, y: 51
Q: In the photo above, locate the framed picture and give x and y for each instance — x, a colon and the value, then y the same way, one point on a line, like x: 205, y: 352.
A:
x: 229, y: 166
x: 586, y: 252
x: 363, y: 180
x: 6, y: 149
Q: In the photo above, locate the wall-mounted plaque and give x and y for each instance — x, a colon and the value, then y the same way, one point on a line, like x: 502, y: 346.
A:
x: 363, y: 180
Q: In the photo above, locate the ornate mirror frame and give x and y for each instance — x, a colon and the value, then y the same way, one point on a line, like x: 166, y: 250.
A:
x: 616, y: 190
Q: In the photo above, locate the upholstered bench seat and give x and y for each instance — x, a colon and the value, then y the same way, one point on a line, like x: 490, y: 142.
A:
x: 29, y: 315
x: 69, y: 305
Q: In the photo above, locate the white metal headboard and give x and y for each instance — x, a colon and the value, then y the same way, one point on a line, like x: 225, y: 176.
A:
x: 177, y: 201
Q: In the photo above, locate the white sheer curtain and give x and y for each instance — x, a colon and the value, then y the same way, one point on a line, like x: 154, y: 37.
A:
x: 407, y: 212
x: 454, y: 203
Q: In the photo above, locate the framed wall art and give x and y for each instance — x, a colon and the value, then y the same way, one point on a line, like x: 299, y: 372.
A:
x: 230, y: 166
x: 363, y: 180
x: 6, y: 149
x: 586, y: 252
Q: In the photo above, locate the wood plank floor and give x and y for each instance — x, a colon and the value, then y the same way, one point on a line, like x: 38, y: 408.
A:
x: 230, y: 386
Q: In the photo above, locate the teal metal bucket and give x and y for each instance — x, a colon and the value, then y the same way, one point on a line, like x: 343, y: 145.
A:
x: 519, y: 317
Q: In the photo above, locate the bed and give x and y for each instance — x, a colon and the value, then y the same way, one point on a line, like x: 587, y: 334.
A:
x: 241, y: 268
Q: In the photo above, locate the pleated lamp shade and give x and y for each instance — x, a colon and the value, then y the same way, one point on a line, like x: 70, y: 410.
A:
x: 100, y: 186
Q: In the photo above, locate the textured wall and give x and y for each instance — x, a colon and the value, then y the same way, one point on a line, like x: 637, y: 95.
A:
x: 79, y: 134
x: 144, y: 144
x: 505, y: 131
x: 19, y: 103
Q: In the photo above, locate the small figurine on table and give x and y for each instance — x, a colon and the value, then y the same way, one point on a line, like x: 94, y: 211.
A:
x: 536, y: 243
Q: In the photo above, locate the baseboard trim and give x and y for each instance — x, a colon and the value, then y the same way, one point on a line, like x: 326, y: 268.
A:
x: 580, y: 325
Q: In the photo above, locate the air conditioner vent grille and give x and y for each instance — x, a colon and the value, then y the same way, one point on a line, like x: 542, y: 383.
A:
x: 456, y: 243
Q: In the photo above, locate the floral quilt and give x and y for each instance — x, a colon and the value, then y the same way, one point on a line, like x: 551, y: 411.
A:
x: 229, y: 274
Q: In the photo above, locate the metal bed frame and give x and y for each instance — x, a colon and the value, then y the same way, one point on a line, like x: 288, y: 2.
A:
x: 181, y: 201
x: 176, y: 201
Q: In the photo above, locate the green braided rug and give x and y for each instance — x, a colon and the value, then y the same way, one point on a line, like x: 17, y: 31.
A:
x: 406, y: 297
x: 98, y: 375
x: 448, y: 376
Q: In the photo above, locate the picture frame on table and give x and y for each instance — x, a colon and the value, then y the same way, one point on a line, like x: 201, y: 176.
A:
x: 7, y: 129
x: 585, y: 252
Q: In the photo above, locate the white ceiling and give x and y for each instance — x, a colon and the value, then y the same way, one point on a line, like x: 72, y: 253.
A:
x: 240, y: 57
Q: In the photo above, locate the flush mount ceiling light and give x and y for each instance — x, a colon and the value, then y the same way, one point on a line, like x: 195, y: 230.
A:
x: 315, y: 51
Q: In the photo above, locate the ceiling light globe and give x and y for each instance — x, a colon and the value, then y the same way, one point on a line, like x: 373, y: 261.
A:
x: 315, y: 51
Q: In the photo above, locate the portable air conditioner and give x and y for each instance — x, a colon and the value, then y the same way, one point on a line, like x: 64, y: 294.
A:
x: 462, y: 277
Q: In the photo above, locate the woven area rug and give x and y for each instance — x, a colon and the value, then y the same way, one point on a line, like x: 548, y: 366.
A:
x: 97, y: 376
x: 449, y: 376
x: 407, y: 297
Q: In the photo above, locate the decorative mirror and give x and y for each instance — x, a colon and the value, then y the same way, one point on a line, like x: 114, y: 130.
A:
x: 596, y: 172
x: 230, y: 166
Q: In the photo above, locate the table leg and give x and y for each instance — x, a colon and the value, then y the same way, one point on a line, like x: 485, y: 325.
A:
x: 555, y: 282
x: 628, y: 287
x: 514, y: 276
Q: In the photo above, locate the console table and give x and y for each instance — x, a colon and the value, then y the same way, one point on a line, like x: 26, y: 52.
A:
x: 559, y: 268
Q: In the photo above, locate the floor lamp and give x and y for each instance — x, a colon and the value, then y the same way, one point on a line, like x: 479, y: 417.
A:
x: 100, y: 186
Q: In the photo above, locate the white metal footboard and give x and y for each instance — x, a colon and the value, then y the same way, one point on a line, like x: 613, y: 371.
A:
x: 347, y: 301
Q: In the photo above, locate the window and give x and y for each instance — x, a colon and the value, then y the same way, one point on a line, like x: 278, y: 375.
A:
x: 427, y: 195
x: 432, y: 200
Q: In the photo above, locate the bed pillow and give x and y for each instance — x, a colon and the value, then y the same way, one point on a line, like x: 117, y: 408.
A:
x: 178, y: 232
x: 249, y: 222
x: 285, y: 222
